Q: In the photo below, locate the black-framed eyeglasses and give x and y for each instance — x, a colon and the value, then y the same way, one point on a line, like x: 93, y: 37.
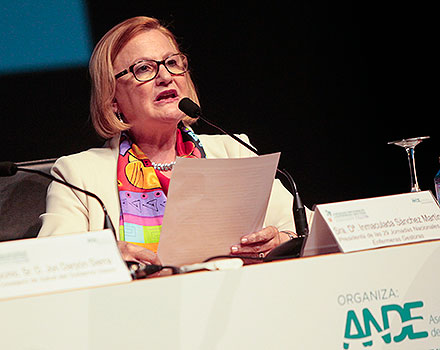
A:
x: 147, y: 70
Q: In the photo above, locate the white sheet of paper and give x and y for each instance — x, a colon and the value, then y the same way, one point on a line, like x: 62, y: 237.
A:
x: 212, y: 203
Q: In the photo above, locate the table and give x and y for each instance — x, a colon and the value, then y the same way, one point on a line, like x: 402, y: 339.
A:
x: 335, y: 301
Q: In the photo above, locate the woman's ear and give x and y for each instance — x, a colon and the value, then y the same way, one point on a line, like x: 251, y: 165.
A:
x: 116, y: 111
x: 115, y: 107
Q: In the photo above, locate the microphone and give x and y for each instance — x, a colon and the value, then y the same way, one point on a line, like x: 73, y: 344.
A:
x: 10, y: 169
x: 292, y: 248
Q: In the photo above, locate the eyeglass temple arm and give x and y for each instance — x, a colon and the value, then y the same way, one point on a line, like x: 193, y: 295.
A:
x: 117, y: 76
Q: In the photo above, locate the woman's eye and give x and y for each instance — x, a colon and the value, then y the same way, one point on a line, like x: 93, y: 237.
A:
x: 171, y: 63
x: 144, y: 68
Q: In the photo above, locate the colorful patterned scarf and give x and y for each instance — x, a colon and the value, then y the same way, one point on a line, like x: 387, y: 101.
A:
x: 143, y: 190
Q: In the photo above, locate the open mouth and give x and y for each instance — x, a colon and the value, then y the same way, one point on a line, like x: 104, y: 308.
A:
x: 166, y: 95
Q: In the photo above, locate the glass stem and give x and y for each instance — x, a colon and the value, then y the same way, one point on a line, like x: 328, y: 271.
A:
x: 412, y: 169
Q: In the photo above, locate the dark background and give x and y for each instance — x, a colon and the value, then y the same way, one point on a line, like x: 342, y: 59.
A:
x: 326, y: 84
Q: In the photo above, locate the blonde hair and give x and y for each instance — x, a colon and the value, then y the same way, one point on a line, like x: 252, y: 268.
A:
x: 104, y: 120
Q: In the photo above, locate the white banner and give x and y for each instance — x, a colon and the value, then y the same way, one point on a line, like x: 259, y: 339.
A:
x: 374, y: 222
x: 40, y: 265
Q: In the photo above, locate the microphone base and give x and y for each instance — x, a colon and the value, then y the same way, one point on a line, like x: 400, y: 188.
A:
x: 288, y: 250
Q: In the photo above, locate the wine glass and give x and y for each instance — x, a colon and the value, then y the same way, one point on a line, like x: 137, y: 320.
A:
x: 409, y: 145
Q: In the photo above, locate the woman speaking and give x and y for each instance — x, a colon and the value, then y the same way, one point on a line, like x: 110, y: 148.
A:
x: 139, y: 75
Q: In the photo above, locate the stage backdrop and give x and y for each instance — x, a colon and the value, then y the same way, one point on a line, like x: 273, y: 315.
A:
x: 327, y: 84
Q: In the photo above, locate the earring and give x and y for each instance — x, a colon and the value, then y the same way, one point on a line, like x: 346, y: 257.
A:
x: 120, y: 116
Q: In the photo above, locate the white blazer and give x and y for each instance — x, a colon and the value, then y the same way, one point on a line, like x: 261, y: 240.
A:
x: 70, y: 211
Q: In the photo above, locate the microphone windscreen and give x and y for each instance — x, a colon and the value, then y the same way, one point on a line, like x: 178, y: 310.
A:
x: 190, y: 108
x: 7, y: 169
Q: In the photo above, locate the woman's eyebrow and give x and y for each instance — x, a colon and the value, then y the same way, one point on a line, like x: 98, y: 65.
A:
x: 145, y: 58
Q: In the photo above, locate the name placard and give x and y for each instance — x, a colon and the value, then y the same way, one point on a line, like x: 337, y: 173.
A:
x: 40, y: 265
x: 374, y: 222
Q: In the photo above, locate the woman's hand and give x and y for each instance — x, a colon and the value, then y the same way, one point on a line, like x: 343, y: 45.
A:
x: 259, y: 244
x: 133, y: 252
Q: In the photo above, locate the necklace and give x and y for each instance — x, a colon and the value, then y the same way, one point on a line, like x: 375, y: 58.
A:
x: 163, y: 166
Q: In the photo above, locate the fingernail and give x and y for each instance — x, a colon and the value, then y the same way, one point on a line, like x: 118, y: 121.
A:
x: 244, y: 240
x: 234, y: 249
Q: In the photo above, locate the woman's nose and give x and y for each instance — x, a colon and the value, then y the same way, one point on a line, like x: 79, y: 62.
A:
x: 163, y: 76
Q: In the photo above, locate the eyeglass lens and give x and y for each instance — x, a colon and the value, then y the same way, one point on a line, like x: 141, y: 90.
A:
x: 147, y: 70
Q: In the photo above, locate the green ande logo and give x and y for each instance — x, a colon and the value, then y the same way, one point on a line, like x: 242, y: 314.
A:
x: 354, y: 331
